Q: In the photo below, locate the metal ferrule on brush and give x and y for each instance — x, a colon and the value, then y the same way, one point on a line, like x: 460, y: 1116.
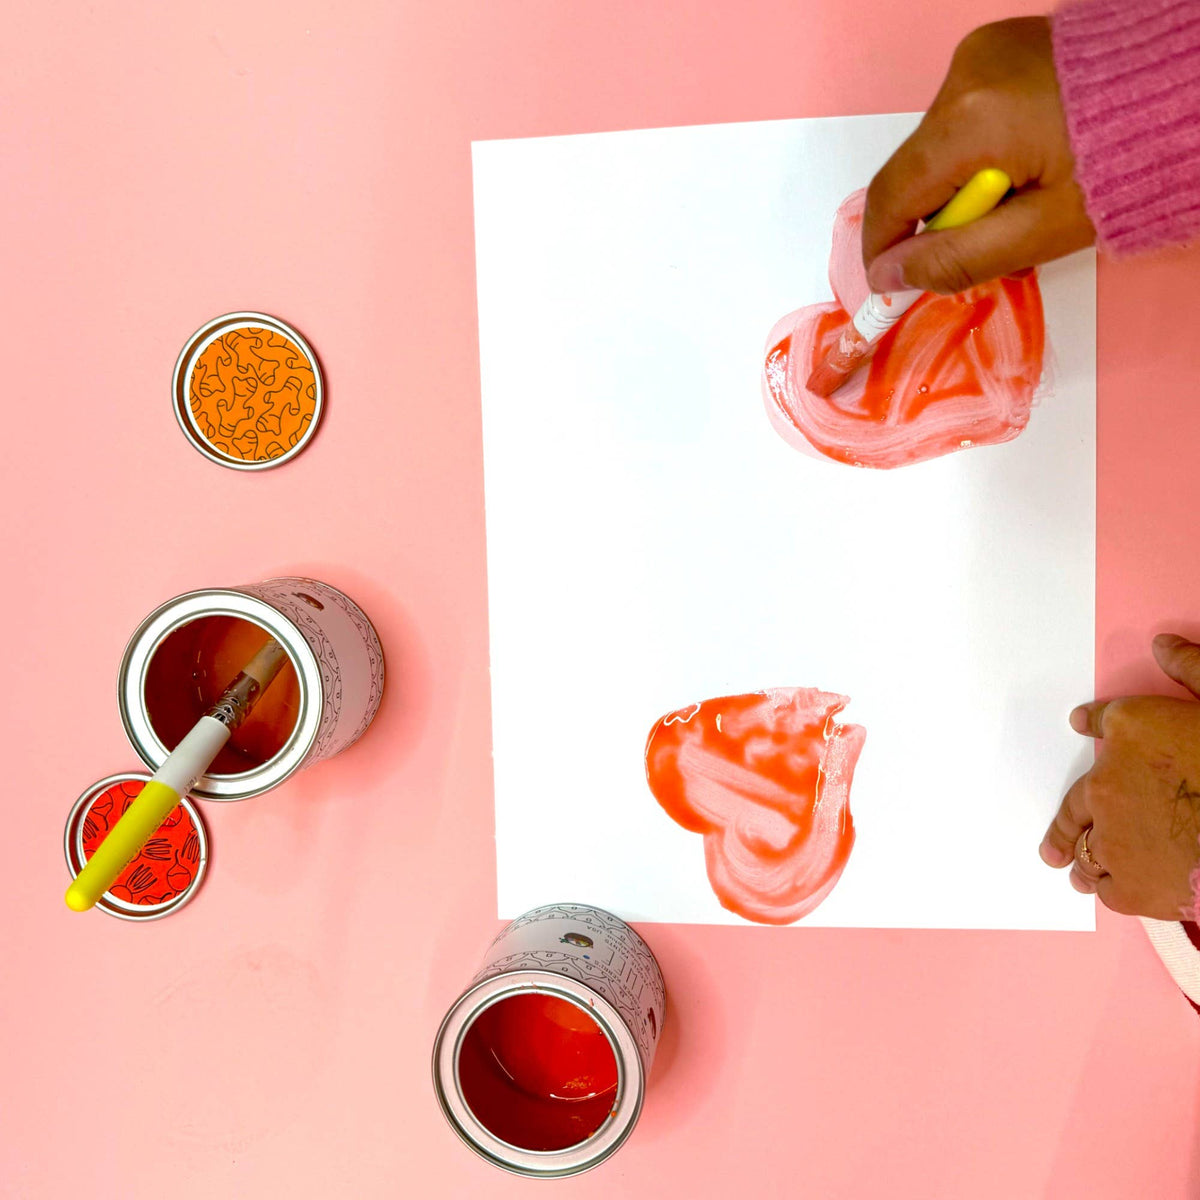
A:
x: 236, y: 701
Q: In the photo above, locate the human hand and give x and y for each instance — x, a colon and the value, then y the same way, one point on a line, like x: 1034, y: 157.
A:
x: 998, y: 106
x: 1130, y: 825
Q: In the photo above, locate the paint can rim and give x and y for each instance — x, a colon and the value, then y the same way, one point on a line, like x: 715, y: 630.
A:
x: 539, y: 1164
x: 217, y: 602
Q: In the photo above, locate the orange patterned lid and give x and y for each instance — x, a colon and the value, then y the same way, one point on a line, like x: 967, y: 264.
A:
x: 248, y: 391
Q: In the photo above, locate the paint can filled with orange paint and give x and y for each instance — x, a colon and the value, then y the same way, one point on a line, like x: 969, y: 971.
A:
x: 248, y: 391
x: 541, y: 1065
x: 184, y: 654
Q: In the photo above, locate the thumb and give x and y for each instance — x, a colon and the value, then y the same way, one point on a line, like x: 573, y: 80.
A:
x: 1179, y: 659
x: 1027, y: 229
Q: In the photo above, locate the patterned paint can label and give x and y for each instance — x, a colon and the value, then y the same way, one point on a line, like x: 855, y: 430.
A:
x: 595, y: 948
x: 347, y: 649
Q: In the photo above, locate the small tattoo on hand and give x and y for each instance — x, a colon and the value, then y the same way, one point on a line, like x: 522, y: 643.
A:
x: 1185, y: 811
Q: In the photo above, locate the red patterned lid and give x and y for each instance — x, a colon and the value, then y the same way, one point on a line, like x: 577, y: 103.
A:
x: 167, y: 872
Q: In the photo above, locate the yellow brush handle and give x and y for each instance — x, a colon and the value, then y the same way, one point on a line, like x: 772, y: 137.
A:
x: 976, y: 198
x: 126, y: 838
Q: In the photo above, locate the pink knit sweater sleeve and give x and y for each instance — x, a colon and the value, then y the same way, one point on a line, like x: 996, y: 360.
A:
x: 1129, y: 73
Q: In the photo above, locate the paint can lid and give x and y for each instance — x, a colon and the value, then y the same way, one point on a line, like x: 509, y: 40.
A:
x: 248, y: 391
x: 169, y: 870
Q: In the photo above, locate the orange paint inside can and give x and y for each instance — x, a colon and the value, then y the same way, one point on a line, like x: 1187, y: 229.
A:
x: 252, y: 394
x: 538, y: 1072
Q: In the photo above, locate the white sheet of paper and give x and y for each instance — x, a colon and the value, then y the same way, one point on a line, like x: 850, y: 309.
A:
x: 653, y: 542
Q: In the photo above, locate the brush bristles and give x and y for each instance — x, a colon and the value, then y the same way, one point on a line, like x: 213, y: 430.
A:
x: 850, y: 352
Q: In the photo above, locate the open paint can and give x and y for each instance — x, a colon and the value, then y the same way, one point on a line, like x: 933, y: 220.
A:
x: 168, y: 870
x: 541, y: 1065
x: 184, y: 654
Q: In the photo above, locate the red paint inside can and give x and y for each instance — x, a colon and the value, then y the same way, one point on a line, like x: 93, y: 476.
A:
x: 537, y: 1072
x: 167, y: 864
x: 190, y: 669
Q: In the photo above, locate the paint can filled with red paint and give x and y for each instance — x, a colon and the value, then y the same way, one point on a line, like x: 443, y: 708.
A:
x: 541, y: 1065
x: 184, y: 653
x: 168, y: 870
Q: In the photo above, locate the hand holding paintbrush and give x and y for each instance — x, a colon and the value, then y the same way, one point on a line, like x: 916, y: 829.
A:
x: 880, y: 311
x: 175, y: 778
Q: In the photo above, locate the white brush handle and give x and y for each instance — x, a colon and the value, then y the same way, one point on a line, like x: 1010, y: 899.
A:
x: 193, y: 756
x: 880, y: 311
x: 174, y: 779
x: 125, y: 840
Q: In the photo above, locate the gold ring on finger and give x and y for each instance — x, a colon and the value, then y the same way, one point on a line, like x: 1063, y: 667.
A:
x: 1085, y: 853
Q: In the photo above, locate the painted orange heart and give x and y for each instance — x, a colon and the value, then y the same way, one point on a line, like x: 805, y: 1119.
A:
x: 765, y: 777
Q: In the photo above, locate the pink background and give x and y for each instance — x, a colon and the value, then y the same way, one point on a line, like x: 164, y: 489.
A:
x: 165, y: 163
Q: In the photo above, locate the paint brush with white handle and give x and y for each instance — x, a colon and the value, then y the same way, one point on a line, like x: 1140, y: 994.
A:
x: 879, y: 312
x: 175, y: 778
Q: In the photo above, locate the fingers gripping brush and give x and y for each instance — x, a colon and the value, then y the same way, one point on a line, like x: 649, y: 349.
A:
x: 879, y: 312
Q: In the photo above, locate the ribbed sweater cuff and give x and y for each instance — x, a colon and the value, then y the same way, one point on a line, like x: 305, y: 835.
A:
x: 1129, y: 73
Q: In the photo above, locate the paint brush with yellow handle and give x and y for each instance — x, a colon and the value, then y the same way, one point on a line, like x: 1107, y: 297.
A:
x: 976, y: 198
x: 175, y: 778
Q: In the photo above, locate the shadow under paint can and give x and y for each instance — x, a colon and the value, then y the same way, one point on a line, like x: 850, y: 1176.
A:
x: 185, y: 653
x: 541, y: 1065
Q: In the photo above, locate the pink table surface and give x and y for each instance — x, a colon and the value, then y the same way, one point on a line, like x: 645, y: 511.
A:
x: 165, y: 163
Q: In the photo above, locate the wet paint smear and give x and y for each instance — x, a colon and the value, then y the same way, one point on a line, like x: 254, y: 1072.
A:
x: 765, y: 777
x: 954, y: 372
x: 252, y: 394
x: 537, y: 1072
x: 166, y: 866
